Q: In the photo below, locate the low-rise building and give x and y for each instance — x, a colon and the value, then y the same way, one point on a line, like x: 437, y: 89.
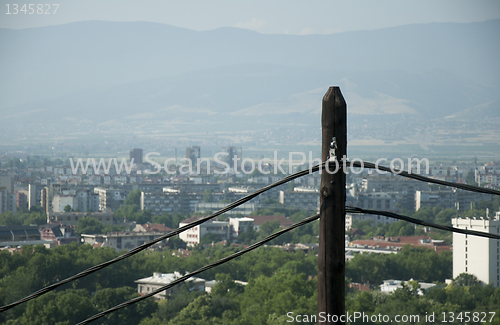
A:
x: 259, y: 220
x: 60, y: 234
x: 193, y: 235
x: 389, y: 286
x: 239, y: 225
x: 122, y: 240
x: 396, y: 243
x: 14, y: 236
x: 158, y: 280
x: 152, y: 227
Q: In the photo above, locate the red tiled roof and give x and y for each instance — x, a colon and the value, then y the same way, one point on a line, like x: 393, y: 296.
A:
x: 152, y: 227
x: 359, y: 286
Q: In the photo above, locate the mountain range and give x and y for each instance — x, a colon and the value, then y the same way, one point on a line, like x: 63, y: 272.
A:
x: 146, y: 78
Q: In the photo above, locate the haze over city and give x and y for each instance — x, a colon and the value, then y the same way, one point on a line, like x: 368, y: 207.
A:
x: 164, y: 75
x: 145, y: 144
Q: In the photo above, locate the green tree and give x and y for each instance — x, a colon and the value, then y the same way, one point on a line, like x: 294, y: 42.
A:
x: 226, y: 287
x: 67, y: 208
x: 168, y: 309
x: 470, y: 178
x: 169, y: 220
x: 205, y: 309
x: 269, y: 227
x: 247, y: 237
x: 64, y: 308
x: 209, y: 238
x: 23, y: 218
x: 35, y: 218
x: 176, y: 243
x: 277, y: 294
x: 9, y: 219
x: 466, y: 279
x: 107, y: 298
x: 89, y: 226
x: 134, y: 198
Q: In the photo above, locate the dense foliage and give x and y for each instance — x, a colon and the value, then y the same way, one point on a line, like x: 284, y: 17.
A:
x: 278, y: 282
x: 417, y: 263
x: 25, y: 217
x: 444, y: 302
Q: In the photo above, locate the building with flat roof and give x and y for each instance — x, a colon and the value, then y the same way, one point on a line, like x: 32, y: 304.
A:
x: 158, y: 280
x: 34, y: 195
x: 239, y: 225
x: 13, y: 236
x: 193, y: 153
x: 121, y: 240
x: 389, y: 286
x: 71, y: 218
x: 397, y: 243
x: 111, y: 199
x: 193, y: 235
x: 301, y: 198
x: 476, y: 255
x: 136, y: 154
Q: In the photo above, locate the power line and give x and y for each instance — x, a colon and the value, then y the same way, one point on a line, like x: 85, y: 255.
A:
x: 421, y: 178
x: 301, y: 223
x: 170, y: 234
x: 349, y: 209
x: 232, y: 206
x: 204, y: 268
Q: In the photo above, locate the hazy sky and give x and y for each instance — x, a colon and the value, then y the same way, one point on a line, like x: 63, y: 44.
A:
x: 280, y: 16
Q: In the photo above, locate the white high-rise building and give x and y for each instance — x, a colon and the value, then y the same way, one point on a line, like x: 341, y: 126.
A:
x: 476, y: 255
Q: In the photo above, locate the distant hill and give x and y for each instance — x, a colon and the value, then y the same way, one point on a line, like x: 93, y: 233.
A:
x: 485, y: 111
x: 90, y: 76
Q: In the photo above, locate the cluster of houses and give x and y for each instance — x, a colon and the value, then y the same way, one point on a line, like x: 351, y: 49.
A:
x: 60, y: 230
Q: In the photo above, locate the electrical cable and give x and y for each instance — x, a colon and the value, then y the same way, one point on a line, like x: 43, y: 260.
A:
x: 234, y: 205
x: 422, y: 178
x: 204, y: 268
x: 349, y: 209
x: 170, y: 234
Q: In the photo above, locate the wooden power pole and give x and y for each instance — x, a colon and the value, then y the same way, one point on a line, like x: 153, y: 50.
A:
x: 331, y: 256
